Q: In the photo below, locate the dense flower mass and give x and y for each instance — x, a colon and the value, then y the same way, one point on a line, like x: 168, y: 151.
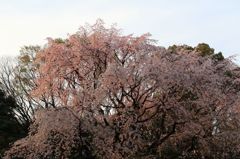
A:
x: 45, y: 141
x: 119, y: 97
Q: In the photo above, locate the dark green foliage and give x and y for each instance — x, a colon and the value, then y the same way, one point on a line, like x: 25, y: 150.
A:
x: 228, y: 74
x: 218, y: 57
x: 188, y: 95
x: 170, y: 151
x: 172, y: 48
x: 186, y: 47
x: 10, y: 128
x: 59, y: 40
x: 204, y: 49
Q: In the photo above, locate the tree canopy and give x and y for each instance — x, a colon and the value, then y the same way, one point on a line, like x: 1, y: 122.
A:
x: 122, y: 96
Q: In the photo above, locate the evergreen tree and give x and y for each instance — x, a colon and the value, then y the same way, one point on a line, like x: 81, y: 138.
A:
x: 10, y: 128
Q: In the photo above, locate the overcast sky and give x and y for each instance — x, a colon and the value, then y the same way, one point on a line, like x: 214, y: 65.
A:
x: 30, y: 22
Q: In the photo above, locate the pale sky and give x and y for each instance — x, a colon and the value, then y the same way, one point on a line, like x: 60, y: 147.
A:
x: 30, y: 22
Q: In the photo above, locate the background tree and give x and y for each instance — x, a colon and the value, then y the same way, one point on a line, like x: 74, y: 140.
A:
x: 10, y: 128
x: 17, y: 77
x: 204, y: 49
x: 26, y: 73
x: 7, y: 76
